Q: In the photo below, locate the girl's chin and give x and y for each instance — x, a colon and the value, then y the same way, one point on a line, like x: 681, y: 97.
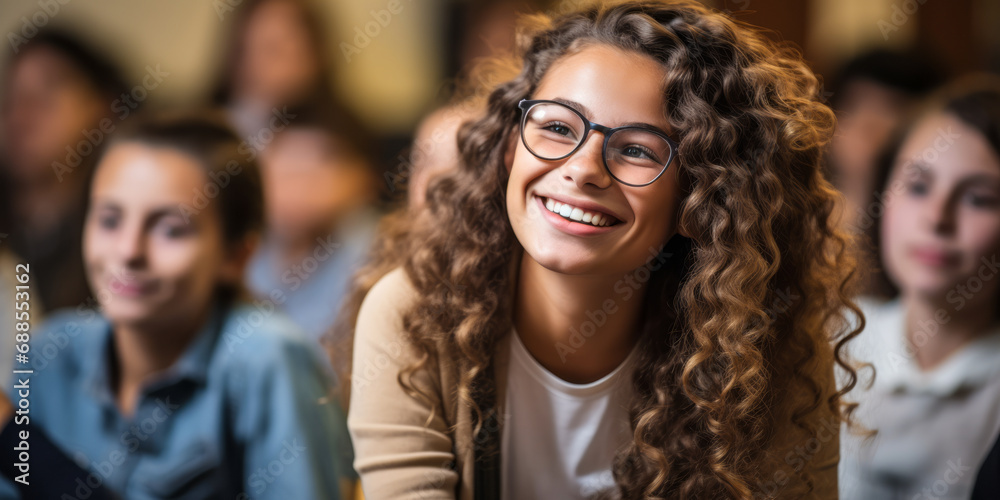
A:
x: 565, y: 261
x: 931, y: 289
x: 128, y: 314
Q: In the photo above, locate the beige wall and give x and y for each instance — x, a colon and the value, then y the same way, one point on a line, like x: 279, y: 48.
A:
x: 390, y: 81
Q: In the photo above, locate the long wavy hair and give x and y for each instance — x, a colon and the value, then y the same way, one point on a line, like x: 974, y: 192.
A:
x: 760, y: 294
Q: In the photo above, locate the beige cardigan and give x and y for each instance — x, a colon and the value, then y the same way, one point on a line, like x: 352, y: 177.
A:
x: 405, y: 449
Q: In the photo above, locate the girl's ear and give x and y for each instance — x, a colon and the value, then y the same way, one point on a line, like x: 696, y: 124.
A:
x: 508, y: 155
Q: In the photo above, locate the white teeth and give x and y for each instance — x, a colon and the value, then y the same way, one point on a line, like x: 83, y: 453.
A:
x: 577, y: 214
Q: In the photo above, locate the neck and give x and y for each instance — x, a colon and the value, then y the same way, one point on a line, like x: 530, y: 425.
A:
x: 144, y: 351
x: 577, y: 327
x: 935, y: 330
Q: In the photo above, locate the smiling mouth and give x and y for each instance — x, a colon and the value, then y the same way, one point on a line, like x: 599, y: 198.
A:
x: 579, y: 215
x: 131, y: 287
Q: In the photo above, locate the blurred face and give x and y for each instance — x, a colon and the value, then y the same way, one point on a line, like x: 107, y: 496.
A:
x: 46, y: 107
x: 311, y: 182
x: 613, y: 88
x: 278, y: 60
x: 867, y: 116
x: 944, y: 218
x: 147, y: 260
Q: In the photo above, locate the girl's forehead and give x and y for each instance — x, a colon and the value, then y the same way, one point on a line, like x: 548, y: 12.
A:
x: 944, y: 145
x: 617, y: 86
x: 143, y: 174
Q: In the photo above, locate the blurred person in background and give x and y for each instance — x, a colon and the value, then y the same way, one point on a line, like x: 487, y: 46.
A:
x: 935, y: 347
x: 178, y: 387
x: 58, y: 105
x: 276, y: 57
x: 435, y: 150
x: 872, y: 94
x: 321, y: 189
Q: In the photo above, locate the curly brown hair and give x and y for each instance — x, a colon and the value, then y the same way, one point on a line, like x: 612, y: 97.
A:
x: 739, y: 339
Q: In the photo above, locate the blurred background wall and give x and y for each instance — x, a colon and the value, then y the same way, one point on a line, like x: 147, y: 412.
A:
x: 396, y: 76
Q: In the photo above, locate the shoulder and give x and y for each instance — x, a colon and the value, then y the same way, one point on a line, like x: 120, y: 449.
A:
x: 68, y: 337
x: 380, y: 343
x: 392, y: 290
x: 382, y: 308
x: 73, y: 321
x: 63, y: 352
x: 258, y: 338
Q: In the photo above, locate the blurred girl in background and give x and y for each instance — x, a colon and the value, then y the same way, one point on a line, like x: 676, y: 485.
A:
x: 935, y: 347
x: 177, y: 387
x: 321, y: 189
x: 276, y: 58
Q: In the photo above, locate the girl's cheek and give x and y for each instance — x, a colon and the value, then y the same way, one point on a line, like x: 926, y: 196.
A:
x: 984, y: 235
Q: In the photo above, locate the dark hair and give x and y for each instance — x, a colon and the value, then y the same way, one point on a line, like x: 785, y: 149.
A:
x: 910, y: 72
x: 337, y: 122
x: 218, y: 150
x: 222, y: 91
x: 975, y: 100
x: 100, y: 72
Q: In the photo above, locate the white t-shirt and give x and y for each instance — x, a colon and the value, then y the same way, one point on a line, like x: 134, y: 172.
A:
x: 558, y: 438
x: 935, y: 427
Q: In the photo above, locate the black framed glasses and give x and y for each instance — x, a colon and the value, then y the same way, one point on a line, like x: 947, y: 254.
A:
x: 633, y: 155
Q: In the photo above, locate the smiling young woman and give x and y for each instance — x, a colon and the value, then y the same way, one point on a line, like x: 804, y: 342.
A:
x: 176, y: 386
x: 654, y: 148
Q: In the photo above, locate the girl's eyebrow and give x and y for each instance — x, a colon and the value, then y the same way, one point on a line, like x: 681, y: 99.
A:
x: 155, y: 213
x: 106, y: 204
x: 916, y: 168
x: 991, y: 181
x: 587, y: 113
x: 575, y: 105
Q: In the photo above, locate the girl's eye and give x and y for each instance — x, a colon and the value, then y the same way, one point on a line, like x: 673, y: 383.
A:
x: 917, y: 188
x: 637, y: 151
x: 173, y: 229
x: 982, y: 200
x: 558, y: 128
x: 107, y: 221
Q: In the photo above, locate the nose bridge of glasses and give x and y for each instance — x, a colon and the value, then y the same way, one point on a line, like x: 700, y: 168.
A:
x: 596, y: 127
x: 599, y: 139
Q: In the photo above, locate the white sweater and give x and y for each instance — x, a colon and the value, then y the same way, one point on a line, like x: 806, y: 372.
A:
x: 935, y: 427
